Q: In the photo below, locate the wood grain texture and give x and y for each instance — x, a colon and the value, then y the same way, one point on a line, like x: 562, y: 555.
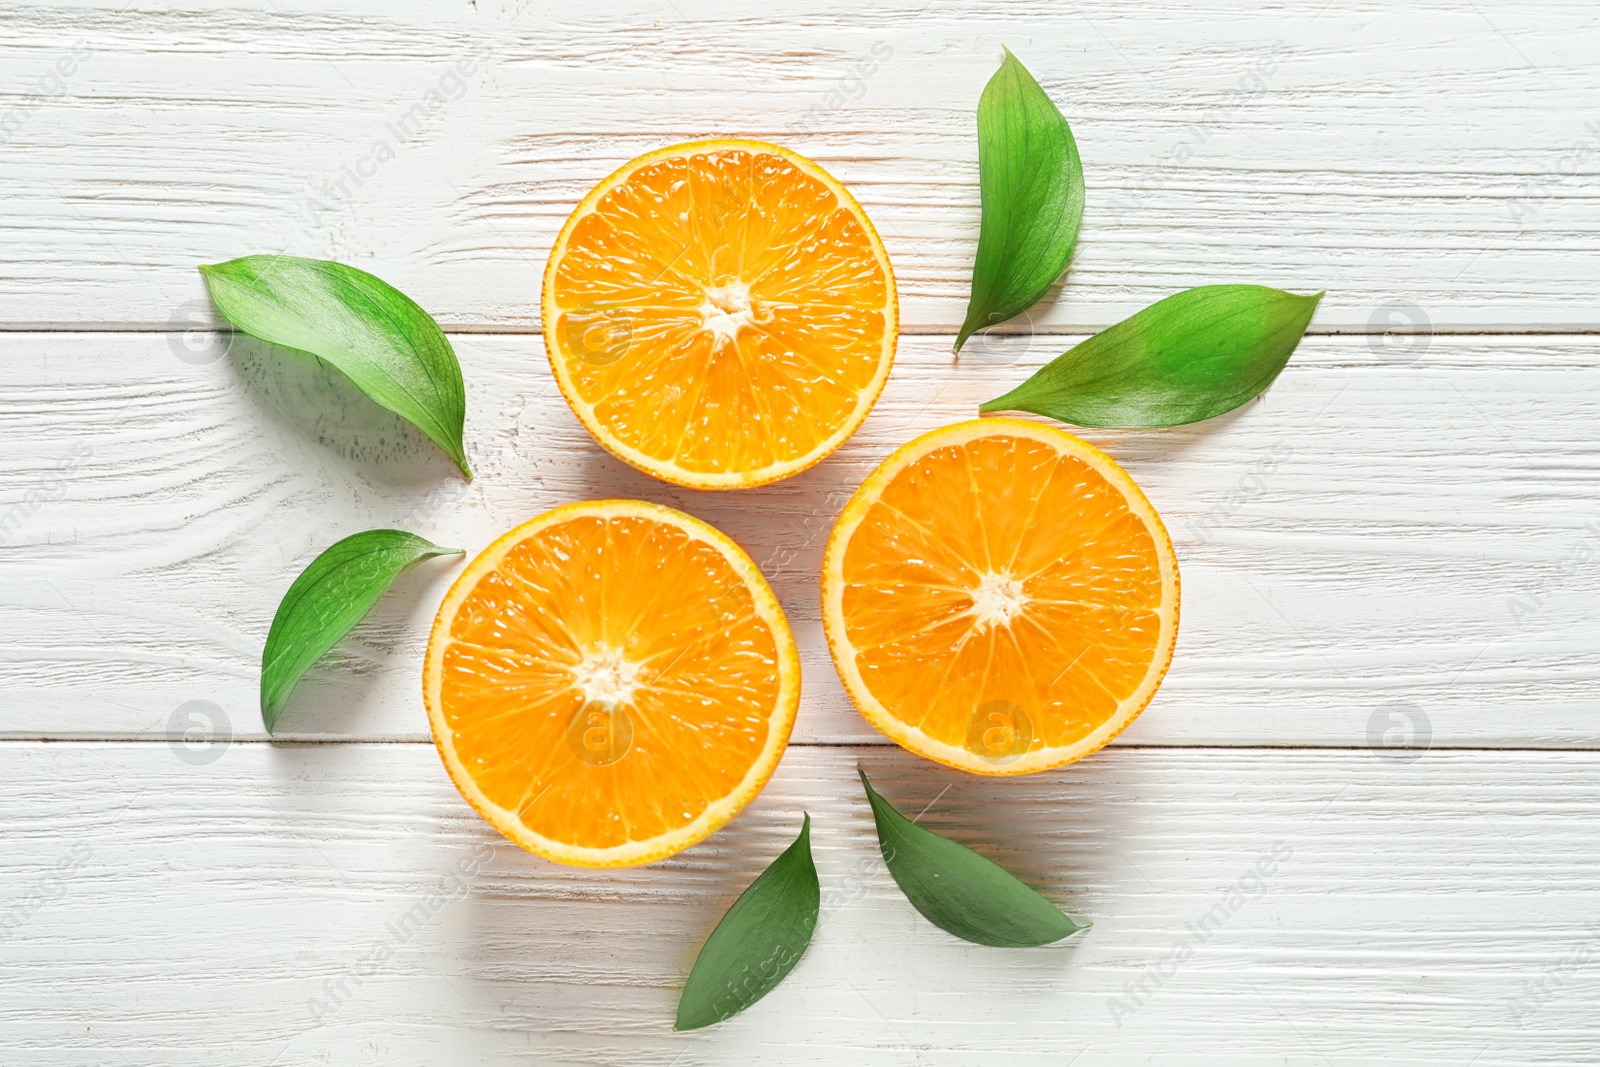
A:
x: 1426, y: 162
x: 1398, y: 544
x: 1367, y: 534
x: 1439, y: 910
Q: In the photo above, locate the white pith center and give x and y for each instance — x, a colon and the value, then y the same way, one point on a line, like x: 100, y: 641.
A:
x: 727, y: 310
x: 606, y: 675
x: 998, y: 599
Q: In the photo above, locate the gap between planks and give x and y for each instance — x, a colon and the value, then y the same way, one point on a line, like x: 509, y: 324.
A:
x: 1054, y: 330
x: 323, y: 742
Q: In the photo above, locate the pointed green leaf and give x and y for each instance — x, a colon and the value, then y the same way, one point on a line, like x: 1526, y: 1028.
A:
x: 370, y: 331
x: 327, y: 600
x: 757, y: 942
x: 1032, y: 187
x: 1192, y: 356
x: 960, y: 891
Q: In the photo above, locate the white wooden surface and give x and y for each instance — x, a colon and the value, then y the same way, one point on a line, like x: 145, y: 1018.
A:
x: 1399, y: 543
x: 1383, y: 151
x: 1389, y: 911
x: 1366, y: 533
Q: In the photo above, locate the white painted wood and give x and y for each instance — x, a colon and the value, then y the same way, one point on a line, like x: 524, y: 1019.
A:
x: 1368, y: 533
x: 1399, y: 544
x: 1426, y: 161
x: 1436, y: 910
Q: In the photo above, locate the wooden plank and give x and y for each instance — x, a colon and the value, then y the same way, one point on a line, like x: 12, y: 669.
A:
x: 276, y: 905
x: 1430, y: 164
x: 1372, y: 538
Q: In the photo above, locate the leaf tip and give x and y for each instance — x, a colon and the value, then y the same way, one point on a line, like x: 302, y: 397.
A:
x: 1003, y: 402
x: 1309, y: 305
x: 211, y: 274
x: 967, y: 330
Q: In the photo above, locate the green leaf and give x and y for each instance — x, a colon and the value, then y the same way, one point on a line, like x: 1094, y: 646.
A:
x: 960, y: 891
x: 370, y: 331
x: 1189, y: 357
x: 1032, y: 186
x: 758, y: 942
x: 327, y: 600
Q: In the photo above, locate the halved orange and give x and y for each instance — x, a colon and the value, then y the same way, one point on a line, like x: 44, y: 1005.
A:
x: 610, y: 683
x: 1000, y: 596
x: 720, y: 314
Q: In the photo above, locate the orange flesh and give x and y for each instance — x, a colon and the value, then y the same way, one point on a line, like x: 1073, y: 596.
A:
x: 1070, y: 640
x: 694, y: 666
x: 721, y: 312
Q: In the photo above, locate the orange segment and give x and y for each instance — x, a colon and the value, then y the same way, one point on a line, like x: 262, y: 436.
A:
x: 1000, y: 596
x: 610, y: 683
x: 720, y: 314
